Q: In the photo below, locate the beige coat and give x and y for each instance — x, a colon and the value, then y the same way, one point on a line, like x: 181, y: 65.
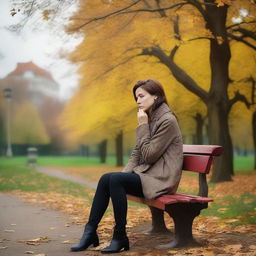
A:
x: 158, y: 155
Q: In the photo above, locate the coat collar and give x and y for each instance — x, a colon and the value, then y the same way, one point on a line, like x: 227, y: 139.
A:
x: 162, y: 109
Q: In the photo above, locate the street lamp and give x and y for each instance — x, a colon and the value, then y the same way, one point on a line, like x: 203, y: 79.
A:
x: 8, y: 97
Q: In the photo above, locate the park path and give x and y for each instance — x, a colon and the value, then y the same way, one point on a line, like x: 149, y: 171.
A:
x: 61, y: 175
x: 20, y: 222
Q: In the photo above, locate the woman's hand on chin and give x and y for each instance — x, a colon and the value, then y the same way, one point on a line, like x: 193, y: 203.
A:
x: 142, y: 117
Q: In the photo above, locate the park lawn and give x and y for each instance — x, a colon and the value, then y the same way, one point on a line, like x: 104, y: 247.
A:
x: 16, y: 177
x: 237, y: 205
x: 61, y: 161
x: 244, y: 163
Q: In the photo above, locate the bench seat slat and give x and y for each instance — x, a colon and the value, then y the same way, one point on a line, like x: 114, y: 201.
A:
x: 164, y: 200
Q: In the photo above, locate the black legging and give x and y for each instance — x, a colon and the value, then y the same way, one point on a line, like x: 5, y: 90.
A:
x: 114, y: 185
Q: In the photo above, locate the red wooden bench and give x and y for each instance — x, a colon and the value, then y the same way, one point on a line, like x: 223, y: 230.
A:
x: 183, y: 208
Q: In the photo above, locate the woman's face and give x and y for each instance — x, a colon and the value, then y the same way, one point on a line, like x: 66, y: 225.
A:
x: 144, y: 99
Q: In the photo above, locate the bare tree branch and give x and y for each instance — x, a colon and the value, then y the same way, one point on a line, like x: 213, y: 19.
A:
x: 241, y: 23
x: 240, y: 39
x: 239, y: 97
x: 246, y: 33
x: 199, y: 38
x: 180, y: 75
x: 199, y: 7
x: 113, y: 67
x: 122, y: 11
x: 147, y: 4
x: 162, y: 13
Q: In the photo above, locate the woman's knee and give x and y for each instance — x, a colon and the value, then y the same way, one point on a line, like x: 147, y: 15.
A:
x: 116, y: 178
x: 104, y: 179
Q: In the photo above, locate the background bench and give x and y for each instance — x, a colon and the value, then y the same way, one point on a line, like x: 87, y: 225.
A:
x: 183, y: 208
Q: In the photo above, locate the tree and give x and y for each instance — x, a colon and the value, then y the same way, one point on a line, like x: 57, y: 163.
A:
x: 211, y: 20
x: 27, y: 126
x: 123, y: 34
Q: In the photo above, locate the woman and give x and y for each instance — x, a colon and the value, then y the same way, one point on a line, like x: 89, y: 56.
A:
x: 153, y: 169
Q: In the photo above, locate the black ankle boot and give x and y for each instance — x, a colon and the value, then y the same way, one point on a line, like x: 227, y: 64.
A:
x: 119, y: 242
x: 89, y: 237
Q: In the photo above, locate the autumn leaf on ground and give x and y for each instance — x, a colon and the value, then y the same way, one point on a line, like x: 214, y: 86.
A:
x: 67, y: 242
x: 29, y: 252
x: 233, y: 248
x: 9, y: 230
x: 36, y: 241
x: 3, y: 247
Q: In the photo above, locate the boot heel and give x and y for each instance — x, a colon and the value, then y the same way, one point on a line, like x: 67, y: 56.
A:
x: 127, y: 247
x: 96, y: 242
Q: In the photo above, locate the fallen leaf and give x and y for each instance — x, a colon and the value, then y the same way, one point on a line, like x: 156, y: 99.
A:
x: 172, y: 252
x: 9, y: 230
x: 233, y: 248
x: 13, y: 224
x: 231, y: 220
x: 29, y: 252
x: 252, y: 247
x: 67, y: 242
x: 3, y: 247
x: 222, y: 210
x: 36, y: 241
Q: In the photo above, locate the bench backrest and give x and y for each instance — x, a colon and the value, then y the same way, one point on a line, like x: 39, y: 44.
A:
x: 199, y: 158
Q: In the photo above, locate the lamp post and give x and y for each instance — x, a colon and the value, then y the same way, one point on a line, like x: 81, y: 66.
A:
x: 8, y: 97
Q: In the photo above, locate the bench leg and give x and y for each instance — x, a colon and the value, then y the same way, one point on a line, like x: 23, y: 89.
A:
x: 158, y: 224
x: 183, y: 215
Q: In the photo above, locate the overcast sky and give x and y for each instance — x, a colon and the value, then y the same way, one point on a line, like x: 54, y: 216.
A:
x: 41, y: 44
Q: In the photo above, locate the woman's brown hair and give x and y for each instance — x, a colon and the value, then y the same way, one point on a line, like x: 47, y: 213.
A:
x: 153, y: 87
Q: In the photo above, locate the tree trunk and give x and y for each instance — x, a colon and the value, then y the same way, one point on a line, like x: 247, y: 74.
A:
x: 119, y: 149
x: 103, y: 151
x: 219, y: 105
x: 199, y: 129
x: 219, y: 135
x: 254, y: 136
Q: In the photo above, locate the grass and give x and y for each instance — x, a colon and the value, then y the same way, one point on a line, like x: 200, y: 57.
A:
x: 240, y: 209
x: 244, y: 163
x: 14, y: 177
x: 61, y: 161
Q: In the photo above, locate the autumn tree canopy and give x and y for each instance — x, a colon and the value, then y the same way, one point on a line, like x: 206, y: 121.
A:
x: 130, y: 40
x: 165, y: 39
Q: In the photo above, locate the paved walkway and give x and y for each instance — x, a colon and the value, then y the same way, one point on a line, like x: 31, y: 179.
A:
x: 65, y: 176
x: 22, y: 221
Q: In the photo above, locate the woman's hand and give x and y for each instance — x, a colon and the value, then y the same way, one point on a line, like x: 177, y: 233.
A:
x: 142, y: 117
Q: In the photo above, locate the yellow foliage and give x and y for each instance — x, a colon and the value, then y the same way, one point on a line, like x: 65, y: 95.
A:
x: 111, y: 63
x: 27, y: 126
x: 240, y: 123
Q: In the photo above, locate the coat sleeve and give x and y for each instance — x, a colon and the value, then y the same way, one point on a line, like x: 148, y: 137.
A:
x: 133, y: 160
x: 152, y: 148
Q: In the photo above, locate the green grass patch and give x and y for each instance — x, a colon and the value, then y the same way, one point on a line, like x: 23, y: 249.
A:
x: 14, y: 177
x: 244, y: 162
x: 240, y: 162
x: 241, y: 208
x: 61, y: 161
